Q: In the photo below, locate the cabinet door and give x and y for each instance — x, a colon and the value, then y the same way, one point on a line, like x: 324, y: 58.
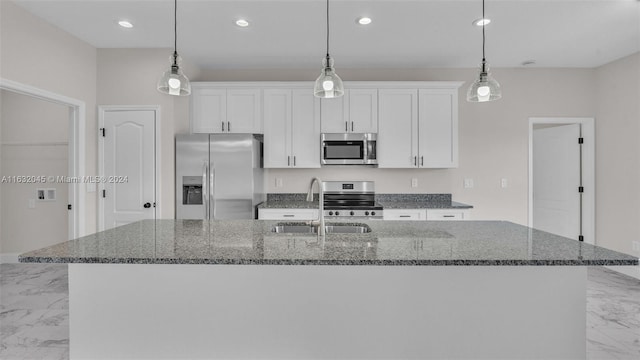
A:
x: 277, y: 129
x: 405, y: 214
x: 287, y: 214
x: 208, y: 110
x: 305, y: 130
x: 438, y: 129
x: 334, y: 114
x: 448, y: 214
x: 397, y: 128
x: 244, y: 111
x: 363, y: 110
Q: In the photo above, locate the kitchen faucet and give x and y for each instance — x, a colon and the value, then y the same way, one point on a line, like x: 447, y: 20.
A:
x: 320, y: 220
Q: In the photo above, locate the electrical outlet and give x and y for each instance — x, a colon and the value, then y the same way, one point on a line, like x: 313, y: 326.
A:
x: 279, y: 182
x: 635, y: 246
x: 468, y: 183
x: 504, y: 183
x: 32, y: 204
x: 414, y: 182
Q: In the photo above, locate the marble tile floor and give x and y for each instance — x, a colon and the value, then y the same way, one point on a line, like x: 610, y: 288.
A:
x: 34, y: 313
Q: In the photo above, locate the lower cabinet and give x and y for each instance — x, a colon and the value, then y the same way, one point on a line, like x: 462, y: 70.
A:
x: 287, y: 214
x: 448, y: 214
x: 405, y: 214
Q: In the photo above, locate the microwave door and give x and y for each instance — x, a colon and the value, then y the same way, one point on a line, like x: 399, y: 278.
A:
x: 343, y: 152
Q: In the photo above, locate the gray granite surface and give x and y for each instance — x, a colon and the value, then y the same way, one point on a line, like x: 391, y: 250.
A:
x: 388, y: 201
x: 404, y: 243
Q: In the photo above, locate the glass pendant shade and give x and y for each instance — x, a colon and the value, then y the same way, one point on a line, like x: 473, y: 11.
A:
x: 485, y: 87
x: 328, y: 85
x: 173, y: 81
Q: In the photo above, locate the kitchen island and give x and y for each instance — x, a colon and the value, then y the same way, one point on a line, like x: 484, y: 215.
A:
x: 237, y: 289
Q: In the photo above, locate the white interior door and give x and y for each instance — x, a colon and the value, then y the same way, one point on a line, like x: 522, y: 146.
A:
x: 556, y: 178
x: 128, y: 167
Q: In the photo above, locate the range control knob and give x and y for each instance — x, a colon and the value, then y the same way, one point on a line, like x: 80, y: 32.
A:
x: 366, y: 213
x: 352, y: 213
x: 330, y: 212
x: 373, y: 213
x: 337, y: 213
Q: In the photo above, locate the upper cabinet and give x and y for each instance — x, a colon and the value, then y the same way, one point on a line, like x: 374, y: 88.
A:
x: 356, y: 111
x: 226, y: 110
x: 291, y: 128
x: 418, y: 128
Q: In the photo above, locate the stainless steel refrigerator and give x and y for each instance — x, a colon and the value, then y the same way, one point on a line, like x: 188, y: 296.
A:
x: 218, y: 176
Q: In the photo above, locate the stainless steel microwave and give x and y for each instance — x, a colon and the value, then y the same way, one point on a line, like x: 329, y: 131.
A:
x: 349, y: 149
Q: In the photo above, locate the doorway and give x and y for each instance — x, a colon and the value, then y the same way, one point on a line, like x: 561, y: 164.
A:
x: 562, y: 177
x: 128, y: 164
x: 48, y: 160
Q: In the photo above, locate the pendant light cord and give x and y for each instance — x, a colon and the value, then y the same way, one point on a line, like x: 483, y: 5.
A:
x: 175, y: 26
x: 483, y: 37
x: 327, y: 30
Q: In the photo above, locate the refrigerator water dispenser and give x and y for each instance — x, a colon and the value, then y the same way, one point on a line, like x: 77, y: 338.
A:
x: 192, y: 190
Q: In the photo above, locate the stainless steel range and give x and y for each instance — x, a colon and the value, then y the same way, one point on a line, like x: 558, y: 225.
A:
x: 350, y: 199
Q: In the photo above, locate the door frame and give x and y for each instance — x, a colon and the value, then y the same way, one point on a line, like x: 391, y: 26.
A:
x: 102, y: 109
x: 77, y: 149
x: 587, y: 126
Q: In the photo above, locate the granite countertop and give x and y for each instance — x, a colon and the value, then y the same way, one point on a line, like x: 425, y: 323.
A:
x: 400, y: 243
x: 388, y: 201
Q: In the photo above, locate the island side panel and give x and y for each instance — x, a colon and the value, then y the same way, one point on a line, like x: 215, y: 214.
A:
x: 120, y: 311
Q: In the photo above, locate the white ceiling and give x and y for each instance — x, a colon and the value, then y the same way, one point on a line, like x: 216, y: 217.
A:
x: 404, y: 33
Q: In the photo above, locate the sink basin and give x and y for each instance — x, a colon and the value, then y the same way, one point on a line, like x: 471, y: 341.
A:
x: 348, y: 228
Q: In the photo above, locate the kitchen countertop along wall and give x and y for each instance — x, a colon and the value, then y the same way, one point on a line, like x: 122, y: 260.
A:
x: 461, y: 243
x: 388, y: 201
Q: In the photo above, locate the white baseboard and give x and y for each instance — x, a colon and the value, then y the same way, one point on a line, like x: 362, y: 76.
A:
x: 9, y: 258
x: 633, y: 271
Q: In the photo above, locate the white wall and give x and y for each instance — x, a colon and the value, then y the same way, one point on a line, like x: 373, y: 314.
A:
x: 618, y: 154
x: 34, y: 143
x: 41, y: 55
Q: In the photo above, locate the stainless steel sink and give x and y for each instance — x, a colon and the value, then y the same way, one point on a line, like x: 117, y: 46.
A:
x: 347, y: 228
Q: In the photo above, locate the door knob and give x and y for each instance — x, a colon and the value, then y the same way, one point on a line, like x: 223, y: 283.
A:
x: 147, y: 205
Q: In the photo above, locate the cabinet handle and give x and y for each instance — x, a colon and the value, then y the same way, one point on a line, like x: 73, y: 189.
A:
x: 352, y: 126
x: 421, y: 160
x: 228, y: 126
x: 405, y: 216
x: 415, y: 161
x: 346, y: 126
x: 294, y: 160
x: 448, y: 216
x: 289, y: 216
x: 223, y: 126
x: 288, y: 160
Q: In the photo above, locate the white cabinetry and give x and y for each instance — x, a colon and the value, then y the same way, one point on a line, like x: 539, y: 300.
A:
x: 448, y: 214
x: 418, y: 128
x: 226, y: 110
x: 287, y: 214
x: 404, y: 214
x: 291, y: 129
x: 356, y: 111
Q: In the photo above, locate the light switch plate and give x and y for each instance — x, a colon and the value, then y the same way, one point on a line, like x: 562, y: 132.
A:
x: 468, y: 183
x: 504, y: 183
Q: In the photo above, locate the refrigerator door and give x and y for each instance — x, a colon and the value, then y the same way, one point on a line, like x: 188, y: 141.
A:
x: 192, y: 162
x: 232, y: 161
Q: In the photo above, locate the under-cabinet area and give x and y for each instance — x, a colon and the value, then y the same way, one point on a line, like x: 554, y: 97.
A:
x: 416, y: 122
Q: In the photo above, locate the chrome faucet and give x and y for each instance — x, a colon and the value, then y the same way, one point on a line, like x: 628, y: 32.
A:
x: 320, y: 220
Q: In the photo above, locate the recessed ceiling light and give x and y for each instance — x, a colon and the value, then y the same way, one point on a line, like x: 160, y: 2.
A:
x: 364, y: 20
x: 125, y: 24
x: 481, y: 22
x: 242, y: 23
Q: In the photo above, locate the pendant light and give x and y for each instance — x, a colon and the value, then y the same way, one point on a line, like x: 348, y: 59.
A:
x: 485, y: 87
x: 328, y: 84
x: 173, y: 81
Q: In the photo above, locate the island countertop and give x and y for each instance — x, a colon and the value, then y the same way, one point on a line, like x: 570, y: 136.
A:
x: 400, y: 243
